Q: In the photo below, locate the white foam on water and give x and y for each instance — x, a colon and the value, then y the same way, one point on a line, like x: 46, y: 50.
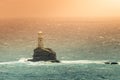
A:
x: 83, y: 62
x: 24, y: 61
x: 11, y: 62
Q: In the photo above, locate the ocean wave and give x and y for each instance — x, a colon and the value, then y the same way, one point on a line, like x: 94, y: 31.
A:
x: 24, y: 61
x: 83, y: 62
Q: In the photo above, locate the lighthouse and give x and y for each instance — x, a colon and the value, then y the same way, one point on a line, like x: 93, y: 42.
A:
x: 41, y: 53
x: 40, y: 40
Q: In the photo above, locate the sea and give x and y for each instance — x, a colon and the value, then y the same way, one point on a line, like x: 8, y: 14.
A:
x: 82, y: 46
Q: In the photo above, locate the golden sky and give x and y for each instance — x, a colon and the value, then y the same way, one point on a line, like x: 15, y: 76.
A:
x: 59, y: 8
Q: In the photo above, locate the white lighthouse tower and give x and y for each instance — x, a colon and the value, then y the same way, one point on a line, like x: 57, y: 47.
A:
x: 40, y: 40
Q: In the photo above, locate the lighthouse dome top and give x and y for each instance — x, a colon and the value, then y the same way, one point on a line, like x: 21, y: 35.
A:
x: 40, y: 32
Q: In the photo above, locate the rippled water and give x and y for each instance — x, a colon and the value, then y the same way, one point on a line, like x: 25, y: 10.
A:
x: 66, y: 70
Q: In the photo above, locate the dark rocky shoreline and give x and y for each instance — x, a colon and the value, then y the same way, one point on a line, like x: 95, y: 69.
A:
x: 45, y: 54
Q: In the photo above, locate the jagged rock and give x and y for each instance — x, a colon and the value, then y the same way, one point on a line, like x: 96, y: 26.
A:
x: 107, y: 62
x: 114, y: 62
x: 111, y: 63
x: 45, y: 54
